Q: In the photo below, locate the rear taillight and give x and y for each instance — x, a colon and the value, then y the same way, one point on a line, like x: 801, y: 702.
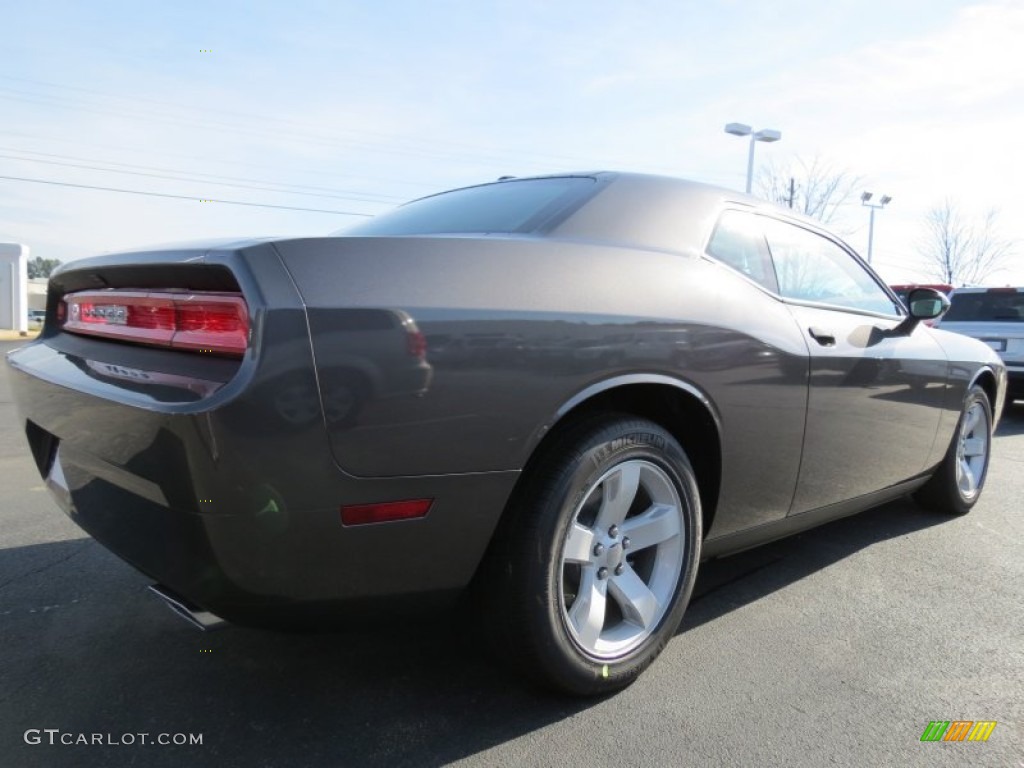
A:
x: 416, y: 344
x: 205, y: 322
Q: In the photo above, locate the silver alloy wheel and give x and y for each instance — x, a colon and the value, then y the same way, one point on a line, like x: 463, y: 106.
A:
x: 972, y: 451
x: 622, y: 559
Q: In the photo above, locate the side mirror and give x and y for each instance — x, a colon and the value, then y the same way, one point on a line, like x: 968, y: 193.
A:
x: 927, y: 303
x: 923, y: 304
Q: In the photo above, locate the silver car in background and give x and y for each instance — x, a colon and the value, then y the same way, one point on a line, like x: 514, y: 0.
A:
x: 996, y: 317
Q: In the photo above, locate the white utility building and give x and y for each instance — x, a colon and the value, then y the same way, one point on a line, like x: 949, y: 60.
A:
x: 14, y: 286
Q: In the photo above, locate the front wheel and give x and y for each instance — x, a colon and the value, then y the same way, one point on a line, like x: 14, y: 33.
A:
x: 592, y: 568
x: 959, y: 479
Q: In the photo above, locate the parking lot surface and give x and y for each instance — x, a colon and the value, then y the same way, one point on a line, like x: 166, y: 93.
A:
x: 834, y: 647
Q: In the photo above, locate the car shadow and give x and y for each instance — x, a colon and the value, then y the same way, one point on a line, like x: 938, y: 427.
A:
x: 731, y: 582
x: 1012, y: 422
x: 87, y: 650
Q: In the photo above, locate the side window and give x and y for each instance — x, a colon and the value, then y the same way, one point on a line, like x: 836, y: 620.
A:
x: 810, y: 267
x: 738, y: 241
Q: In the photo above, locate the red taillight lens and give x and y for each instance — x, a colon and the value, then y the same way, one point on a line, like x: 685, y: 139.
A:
x: 388, y: 511
x: 217, y: 323
x: 416, y: 344
x: 207, y: 322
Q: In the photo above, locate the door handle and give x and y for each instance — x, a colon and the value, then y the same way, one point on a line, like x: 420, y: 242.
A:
x: 824, y: 337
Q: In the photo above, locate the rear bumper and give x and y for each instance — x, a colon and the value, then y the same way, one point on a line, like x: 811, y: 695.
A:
x: 231, y: 503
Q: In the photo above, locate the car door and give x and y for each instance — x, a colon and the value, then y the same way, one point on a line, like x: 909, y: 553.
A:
x: 875, y: 396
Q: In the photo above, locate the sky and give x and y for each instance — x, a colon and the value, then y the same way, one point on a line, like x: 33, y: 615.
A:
x: 349, y: 108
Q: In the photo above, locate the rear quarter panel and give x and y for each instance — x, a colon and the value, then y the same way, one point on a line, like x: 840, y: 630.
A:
x: 517, y: 327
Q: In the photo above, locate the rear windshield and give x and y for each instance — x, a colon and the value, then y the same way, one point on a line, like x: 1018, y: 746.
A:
x: 510, y: 206
x: 979, y: 307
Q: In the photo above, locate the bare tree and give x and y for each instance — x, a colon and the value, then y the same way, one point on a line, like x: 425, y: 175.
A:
x: 961, y: 251
x: 814, y: 188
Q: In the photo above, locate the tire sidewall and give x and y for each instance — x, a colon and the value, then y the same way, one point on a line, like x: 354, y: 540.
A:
x: 563, y: 659
x: 974, y: 395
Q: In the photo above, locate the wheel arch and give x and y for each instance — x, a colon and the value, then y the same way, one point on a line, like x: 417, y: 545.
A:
x: 986, y: 379
x: 683, y: 409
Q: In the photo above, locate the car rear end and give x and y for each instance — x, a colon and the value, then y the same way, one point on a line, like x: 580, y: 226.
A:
x: 172, y: 405
x: 996, y: 317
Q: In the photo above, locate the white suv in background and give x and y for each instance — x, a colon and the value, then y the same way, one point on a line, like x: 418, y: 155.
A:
x: 996, y: 317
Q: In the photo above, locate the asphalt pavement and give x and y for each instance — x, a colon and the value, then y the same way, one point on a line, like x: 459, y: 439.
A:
x: 834, y: 647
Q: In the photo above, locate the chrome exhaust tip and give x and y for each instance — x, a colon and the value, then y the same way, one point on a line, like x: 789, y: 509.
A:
x: 193, y: 614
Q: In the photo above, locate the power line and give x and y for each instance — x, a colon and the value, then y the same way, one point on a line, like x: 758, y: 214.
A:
x: 36, y: 136
x: 264, y: 118
x: 428, y: 148
x: 185, y: 178
x: 535, y: 162
x: 307, y: 138
x: 329, y: 190
x: 183, y: 197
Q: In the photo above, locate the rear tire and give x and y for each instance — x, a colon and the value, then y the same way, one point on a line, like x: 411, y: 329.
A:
x: 959, y: 480
x: 594, y: 562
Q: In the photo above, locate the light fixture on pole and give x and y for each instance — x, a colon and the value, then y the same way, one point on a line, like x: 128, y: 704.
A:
x: 767, y: 135
x: 865, y: 199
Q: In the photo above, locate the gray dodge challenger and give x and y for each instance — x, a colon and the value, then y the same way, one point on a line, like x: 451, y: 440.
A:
x: 550, y: 396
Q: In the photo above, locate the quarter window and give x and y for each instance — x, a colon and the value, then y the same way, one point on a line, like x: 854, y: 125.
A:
x: 738, y: 241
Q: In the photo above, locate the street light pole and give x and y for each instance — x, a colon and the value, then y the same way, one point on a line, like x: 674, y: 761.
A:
x: 871, y: 231
x: 766, y: 135
x: 750, y: 163
x: 865, y: 199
